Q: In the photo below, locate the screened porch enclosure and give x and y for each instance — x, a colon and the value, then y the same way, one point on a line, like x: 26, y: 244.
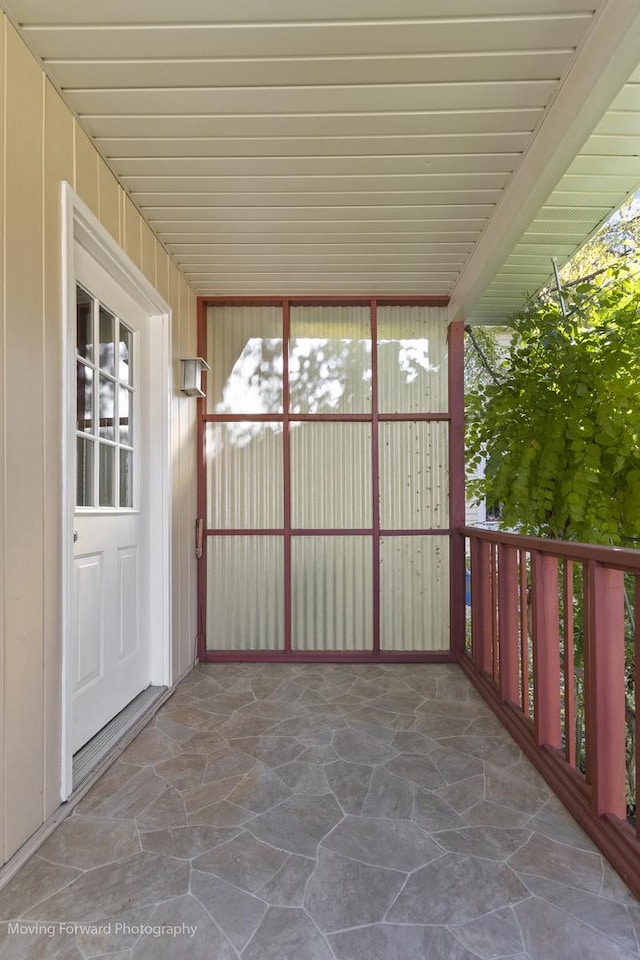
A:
x: 328, y: 442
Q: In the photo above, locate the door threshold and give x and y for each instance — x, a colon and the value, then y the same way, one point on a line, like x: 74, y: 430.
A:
x: 88, y: 757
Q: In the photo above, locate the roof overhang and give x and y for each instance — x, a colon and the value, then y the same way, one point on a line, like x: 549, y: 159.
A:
x: 361, y: 148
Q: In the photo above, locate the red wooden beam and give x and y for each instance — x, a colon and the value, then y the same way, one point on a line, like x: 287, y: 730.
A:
x: 524, y: 633
x: 430, y: 301
x: 546, y: 651
x: 375, y: 477
x: 481, y: 605
x: 508, y: 623
x: 569, y: 665
x: 606, y: 690
x: 636, y: 650
x: 619, y: 558
x: 456, y: 486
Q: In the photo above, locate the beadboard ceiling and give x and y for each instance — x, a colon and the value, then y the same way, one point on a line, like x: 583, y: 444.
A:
x: 357, y: 147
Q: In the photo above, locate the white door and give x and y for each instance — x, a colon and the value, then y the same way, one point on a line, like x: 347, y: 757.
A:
x: 110, y: 659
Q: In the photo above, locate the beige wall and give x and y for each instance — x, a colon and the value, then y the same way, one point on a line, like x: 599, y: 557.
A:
x: 44, y: 145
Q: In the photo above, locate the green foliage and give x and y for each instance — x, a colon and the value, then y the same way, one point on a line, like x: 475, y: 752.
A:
x: 617, y: 240
x: 484, y: 355
x: 560, y: 433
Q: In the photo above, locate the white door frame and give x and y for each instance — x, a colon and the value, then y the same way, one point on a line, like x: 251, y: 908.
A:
x: 80, y: 226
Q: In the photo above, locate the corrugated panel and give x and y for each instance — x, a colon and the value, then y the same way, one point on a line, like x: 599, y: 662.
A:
x: 332, y: 599
x: 331, y: 475
x: 244, y: 350
x: 244, y: 475
x: 245, y: 593
x: 414, y: 475
x: 412, y: 360
x: 329, y: 357
x: 414, y: 593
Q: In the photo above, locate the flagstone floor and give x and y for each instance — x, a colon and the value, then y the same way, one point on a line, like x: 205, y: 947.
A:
x: 280, y: 812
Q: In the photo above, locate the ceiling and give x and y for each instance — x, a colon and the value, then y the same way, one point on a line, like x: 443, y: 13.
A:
x: 357, y: 147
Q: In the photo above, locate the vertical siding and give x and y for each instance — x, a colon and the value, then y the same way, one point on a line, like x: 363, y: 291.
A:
x: 148, y: 253
x: 109, y: 199
x: 44, y: 146
x: 189, y: 589
x: 176, y: 465
x: 58, y: 165
x: 132, y: 231
x: 24, y: 464
x: 162, y: 271
x: 86, y: 169
x: 185, y: 346
x: 3, y: 539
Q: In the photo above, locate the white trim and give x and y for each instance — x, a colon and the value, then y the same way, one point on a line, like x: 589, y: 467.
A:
x: 602, y: 66
x: 80, y: 226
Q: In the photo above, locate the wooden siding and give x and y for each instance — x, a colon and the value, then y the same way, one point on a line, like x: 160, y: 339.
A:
x: 44, y: 145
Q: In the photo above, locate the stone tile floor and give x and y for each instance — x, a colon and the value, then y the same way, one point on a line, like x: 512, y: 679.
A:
x: 319, y: 812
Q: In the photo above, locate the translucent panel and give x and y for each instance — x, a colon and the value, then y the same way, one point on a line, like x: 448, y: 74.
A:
x: 107, y: 348
x: 84, y: 398
x: 332, y: 593
x: 84, y: 472
x: 414, y: 593
x: 244, y: 475
x: 412, y: 360
x: 106, y: 408
x: 331, y: 475
x: 125, y: 354
x: 125, y: 414
x: 84, y: 324
x: 414, y: 475
x: 330, y: 360
x: 106, y: 476
x: 126, y: 478
x: 244, y: 348
x: 245, y: 593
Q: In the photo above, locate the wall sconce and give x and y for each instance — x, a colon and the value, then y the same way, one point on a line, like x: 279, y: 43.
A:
x: 192, y: 370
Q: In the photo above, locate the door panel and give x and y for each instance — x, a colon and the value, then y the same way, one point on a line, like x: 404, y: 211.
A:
x: 111, y: 640
x: 88, y: 586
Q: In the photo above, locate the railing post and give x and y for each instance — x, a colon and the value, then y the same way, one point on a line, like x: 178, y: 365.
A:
x: 605, y: 681
x: 508, y: 623
x: 546, y: 651
x: 481, y: 604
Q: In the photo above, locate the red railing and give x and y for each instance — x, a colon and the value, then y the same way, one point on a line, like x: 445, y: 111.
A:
x: 551, y: 644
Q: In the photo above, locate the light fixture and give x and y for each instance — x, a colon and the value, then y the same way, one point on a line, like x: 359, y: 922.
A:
x: 192, y: 370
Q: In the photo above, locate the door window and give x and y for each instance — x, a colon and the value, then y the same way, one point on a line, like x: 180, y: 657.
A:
x: 105, y: 406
